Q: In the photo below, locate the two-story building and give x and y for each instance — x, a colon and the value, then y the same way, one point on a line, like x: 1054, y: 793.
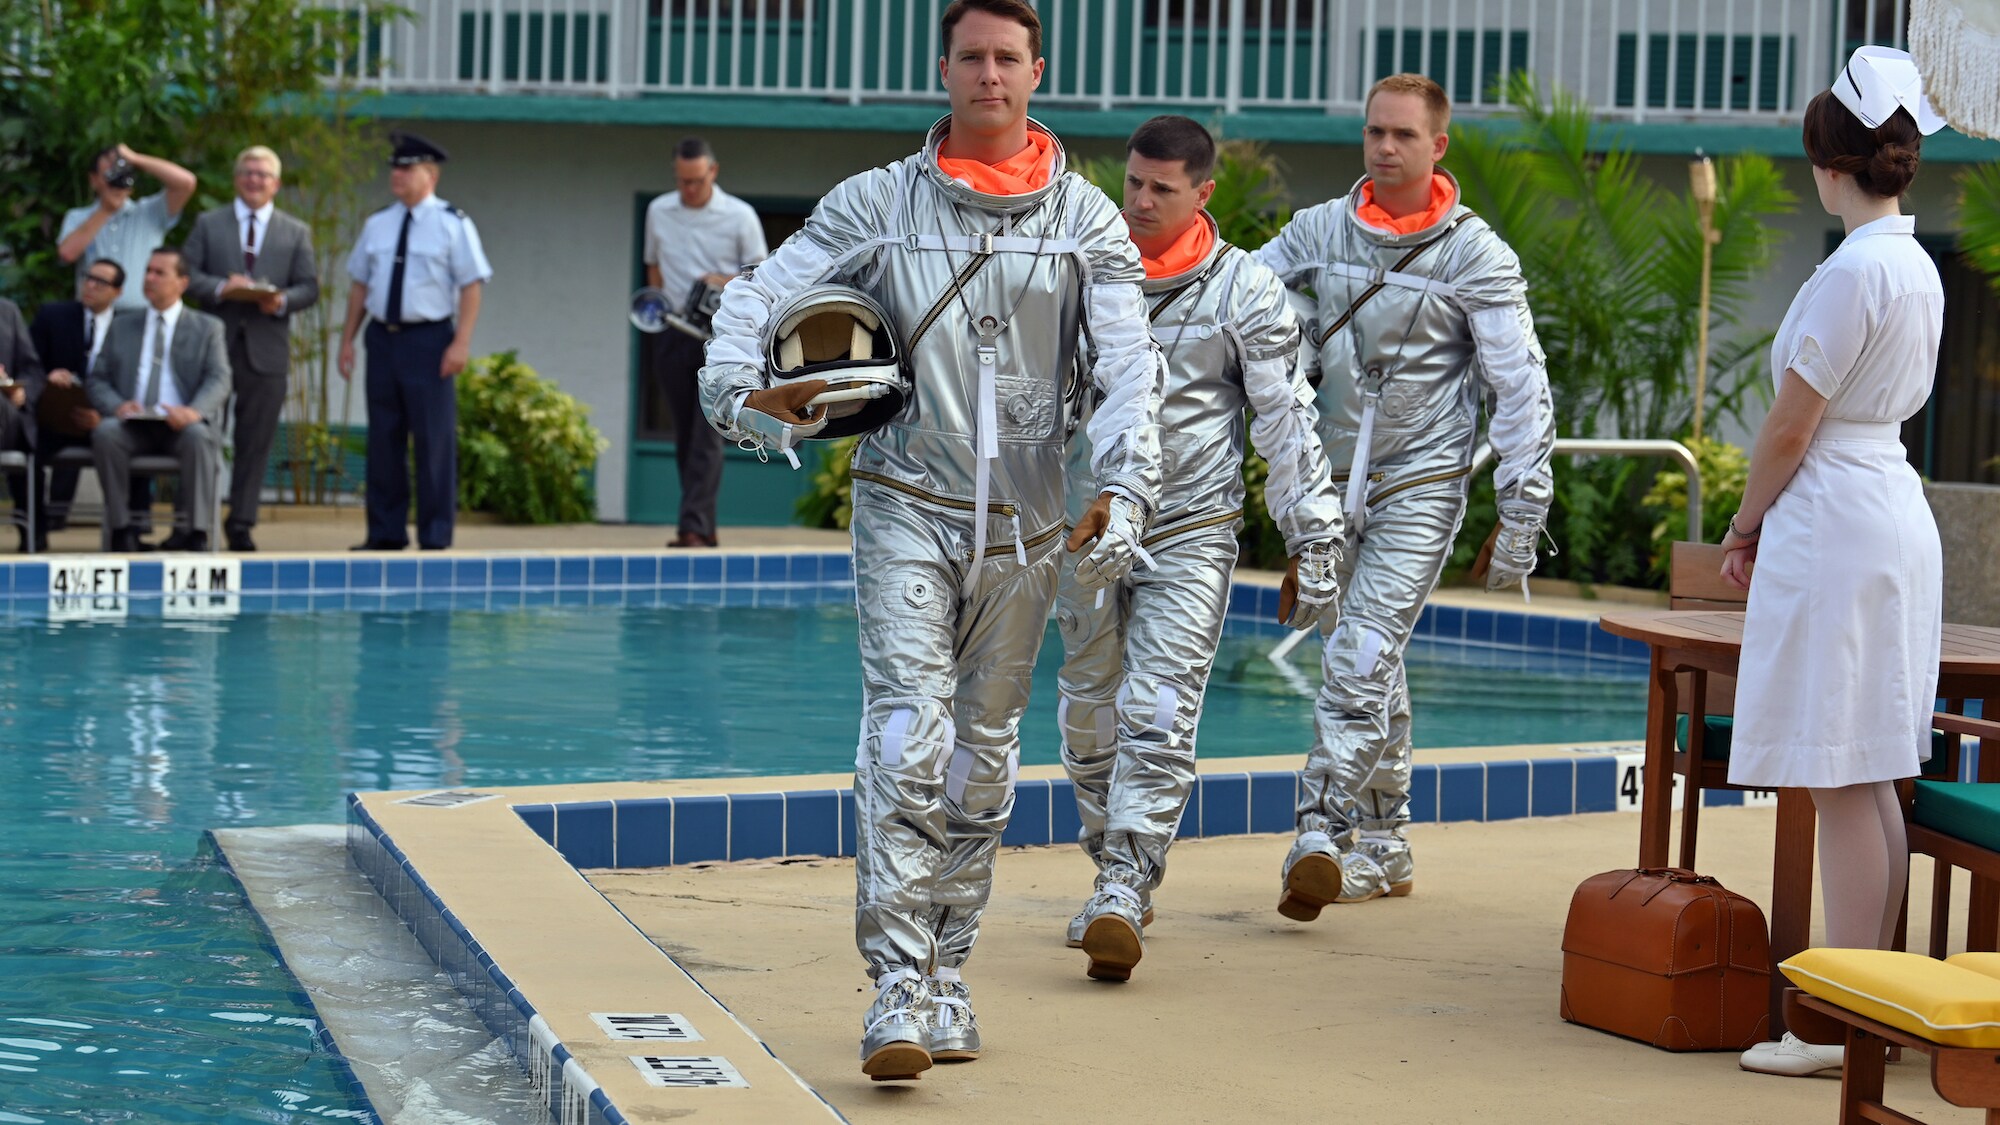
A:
x: 561, y: 114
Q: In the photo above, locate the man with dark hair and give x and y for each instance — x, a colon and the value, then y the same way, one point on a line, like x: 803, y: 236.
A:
x: 69, y: 335
x: 695, y: 235
x: 21, y: 379
x: 1421, y: 315
x: 1137, y: 656
x: 163, y: 375
x: 993, y: 262
x: 117, y: 226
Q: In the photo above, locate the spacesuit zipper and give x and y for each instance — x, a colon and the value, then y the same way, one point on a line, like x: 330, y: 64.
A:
x: 928, y: 496
x: 1405, y: 486
x: 1195, y: 525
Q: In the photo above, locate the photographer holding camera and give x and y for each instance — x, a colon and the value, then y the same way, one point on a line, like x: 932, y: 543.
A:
x: 121, y: 228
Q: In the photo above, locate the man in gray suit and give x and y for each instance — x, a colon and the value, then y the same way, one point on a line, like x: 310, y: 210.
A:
x: 265, y: 258
x: 160, y: 381
x: 21, y: 380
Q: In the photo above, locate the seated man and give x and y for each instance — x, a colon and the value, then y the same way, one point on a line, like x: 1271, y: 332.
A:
x: 159, y: 380
x: 68, y: 335
x: 20, y: 382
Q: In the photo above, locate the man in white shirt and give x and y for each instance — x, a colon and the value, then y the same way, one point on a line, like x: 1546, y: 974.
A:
x: 118, y: 226
x: 161, y: 378
x: 699, y: 233
x: 68, y: 335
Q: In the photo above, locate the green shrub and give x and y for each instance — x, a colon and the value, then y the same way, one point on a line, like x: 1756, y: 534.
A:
x: 831, y: 501
x: 1724, y: 470
x: 526, y: 450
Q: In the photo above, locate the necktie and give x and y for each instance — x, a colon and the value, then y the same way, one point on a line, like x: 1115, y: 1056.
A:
x: 250, y: 243
x: 89, y: 339
x: 395, y: 307
x: 152, y: 395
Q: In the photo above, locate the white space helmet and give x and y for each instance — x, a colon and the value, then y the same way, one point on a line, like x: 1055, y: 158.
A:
x: 841, y: 335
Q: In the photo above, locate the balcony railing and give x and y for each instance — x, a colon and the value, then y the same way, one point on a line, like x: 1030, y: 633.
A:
x: 1628, y: 59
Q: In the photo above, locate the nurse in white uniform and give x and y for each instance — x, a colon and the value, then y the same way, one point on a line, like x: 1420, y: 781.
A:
x: 1841, y: 635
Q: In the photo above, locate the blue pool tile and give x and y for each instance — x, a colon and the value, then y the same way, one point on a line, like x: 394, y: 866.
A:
x: 400, y: 574
x: 1065, y: 823
x: 1553, y: 792
x: 294, y: 574
x: 846, y: 820
x: 704, y: 595
x: 329, y: 574
x: 642, y: 570
x: 401, y: 602
x: 1029, y: 824
x: 706, y: 570
x: 812, y: 822
x: 1191, y: 816
x: 1479, y: 626
x: 1423, y: 794
x: 538, y: 572
x: 573, y: 573
x: 144, y: 577
x: 836, y: 568
x: 505, y: 574
x: 774, y: 568
x: 541, y: 818
x: 1597, y: 785
x: 364, y: 574
x: 435, y: 599
x: 1509, y: 629
x: 470, y: 574
x: 1461, y: 791
x: 674, y: 570
x: 1710, y: 798
x: 259, y: 576
x: 579, y: 596
x: 740, y: 595
x: 806, y: 568
x: 294, y: 603
x: 644, y: 835
x: 1225, y: 804
x: 434, y: 574
x: 1506, y: 790
x: 1274, y: 798
x: 756, y: 826
x: 1573, y: 634
x: 607, y: 570
x: 583, y: 833
x: 504, y: 599
x: 1538, y: 632
x: 1449, y: 624
x: 701, y: 829
x: 533, y: 597
x: 739, y: 570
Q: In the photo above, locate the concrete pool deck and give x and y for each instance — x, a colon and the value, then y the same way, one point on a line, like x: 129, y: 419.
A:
x: 1440, y: 1007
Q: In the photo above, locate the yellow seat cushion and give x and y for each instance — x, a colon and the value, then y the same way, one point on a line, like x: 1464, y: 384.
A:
x: 1944, y: 1003
x: 1987, y: 963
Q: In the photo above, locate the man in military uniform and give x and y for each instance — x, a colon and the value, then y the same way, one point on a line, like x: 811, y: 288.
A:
x: 1422, y: 315
x: 419, y: 273
x: 1137, y: 654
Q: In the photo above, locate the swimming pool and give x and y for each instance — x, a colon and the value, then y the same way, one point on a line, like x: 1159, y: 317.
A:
x: 134, y: 985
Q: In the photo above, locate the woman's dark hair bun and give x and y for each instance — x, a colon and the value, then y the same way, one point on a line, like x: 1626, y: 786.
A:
x: 1882, y: 160
x: 1892, y: 168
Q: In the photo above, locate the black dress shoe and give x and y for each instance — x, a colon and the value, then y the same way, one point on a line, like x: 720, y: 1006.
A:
x: 239, y: 539
x: 126, y: 541
x: 185, y: 541
x: 378, y: 545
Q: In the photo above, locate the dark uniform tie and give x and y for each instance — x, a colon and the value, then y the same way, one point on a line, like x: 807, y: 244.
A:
x: 152, y: 395
x: 89, y: 339
x: 395, y: 304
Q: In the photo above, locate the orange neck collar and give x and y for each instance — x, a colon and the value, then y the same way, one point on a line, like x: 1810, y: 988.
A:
x: 1025, y: 171
x: 1443, y: 198
x: 1187, y: 251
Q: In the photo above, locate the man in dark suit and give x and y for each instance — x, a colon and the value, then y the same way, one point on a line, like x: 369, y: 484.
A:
x: 253, y: 265
x: 20, y: 384
x: 160, y: 381
x: 68, y: 336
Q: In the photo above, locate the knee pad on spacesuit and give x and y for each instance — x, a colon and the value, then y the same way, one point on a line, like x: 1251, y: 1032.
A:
x: 1360, y: 666
x: 910, y: 737
x: 980, y: 779
x: 1159, y: 713
x: 1089, y: 735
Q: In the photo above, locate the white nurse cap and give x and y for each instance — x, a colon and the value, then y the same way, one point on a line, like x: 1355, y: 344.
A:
x: 1877, y: 81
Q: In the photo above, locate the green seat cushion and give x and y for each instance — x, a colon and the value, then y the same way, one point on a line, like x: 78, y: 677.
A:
x: 1715, y: 746
x: 1968, y: 811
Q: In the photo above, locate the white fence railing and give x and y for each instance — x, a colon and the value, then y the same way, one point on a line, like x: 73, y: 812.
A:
x: 1628, y: 59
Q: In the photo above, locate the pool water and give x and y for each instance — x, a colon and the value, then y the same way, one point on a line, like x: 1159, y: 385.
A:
x: 136, y: 985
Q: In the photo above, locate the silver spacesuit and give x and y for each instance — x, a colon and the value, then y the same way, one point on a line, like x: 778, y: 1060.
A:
x: 1138, y: 654
x: 1412, y: 331
x: 958, y: 502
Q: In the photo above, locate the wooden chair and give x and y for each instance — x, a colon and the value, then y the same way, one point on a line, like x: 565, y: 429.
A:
x: 1957, y: 824
x: 1701, y: 761
x: 1963, y: 1076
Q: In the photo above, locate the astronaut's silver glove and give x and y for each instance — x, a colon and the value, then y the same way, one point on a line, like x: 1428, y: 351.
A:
x: 1311, y: 589
x: 1514, y: 548
x: 1116, y: 547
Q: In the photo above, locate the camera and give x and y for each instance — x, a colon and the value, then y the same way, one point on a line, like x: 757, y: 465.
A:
x: 119, y: 173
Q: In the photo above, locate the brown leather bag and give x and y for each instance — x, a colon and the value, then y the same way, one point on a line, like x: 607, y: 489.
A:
x: 1667, y: 957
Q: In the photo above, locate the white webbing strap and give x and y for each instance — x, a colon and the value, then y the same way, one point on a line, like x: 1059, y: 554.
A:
x: 989, y: 243
x: 1357, y: 473
x: 989, y: 450
x: 1376, y: 276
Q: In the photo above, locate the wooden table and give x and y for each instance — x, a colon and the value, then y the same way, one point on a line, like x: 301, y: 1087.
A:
x: 1681, y: 641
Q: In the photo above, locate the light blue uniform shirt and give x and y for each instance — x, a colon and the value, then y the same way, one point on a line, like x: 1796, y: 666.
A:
x: 128, y: 237
x: 444, y: 256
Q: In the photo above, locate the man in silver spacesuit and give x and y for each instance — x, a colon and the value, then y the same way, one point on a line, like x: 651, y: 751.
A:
x: 992, y: 261
x: 1137, y: 653
x: 1421, y: 315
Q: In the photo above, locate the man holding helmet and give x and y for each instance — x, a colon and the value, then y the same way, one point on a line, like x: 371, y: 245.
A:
x: 991, y: 261
x: 1137, y: 655
x: 1422, y: 313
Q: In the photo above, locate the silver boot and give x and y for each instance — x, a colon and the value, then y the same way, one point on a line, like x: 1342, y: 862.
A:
x: 1074, y: 938
x: 1314, y: 877
x: 954, y: 1029
x: 1392, y: 854
x: 1113, y: 932
x: 895, y: 1036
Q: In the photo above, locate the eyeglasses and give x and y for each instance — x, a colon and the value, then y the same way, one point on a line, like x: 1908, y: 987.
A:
x: 249, y: 174
x: 104, y: 281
